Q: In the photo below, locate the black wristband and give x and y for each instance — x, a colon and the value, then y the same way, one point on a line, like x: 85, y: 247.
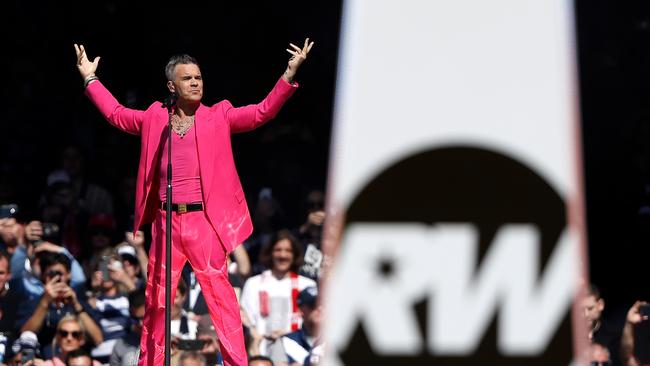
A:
x: 88, y: 80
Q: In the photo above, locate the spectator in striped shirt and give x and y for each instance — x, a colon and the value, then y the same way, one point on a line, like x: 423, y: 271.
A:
x: 127, y: 350
x: 110, y: 306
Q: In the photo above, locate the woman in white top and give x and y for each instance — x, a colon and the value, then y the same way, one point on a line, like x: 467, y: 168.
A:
x: 268, y: 300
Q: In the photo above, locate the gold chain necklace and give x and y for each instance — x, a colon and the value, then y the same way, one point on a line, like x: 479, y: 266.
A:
x: 180, y: 126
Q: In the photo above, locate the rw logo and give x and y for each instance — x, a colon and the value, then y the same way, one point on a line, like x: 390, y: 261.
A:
x: 456, y: 256
x: 440, y: 263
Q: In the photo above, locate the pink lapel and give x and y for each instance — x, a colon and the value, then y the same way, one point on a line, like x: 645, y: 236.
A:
x: 205, y: 148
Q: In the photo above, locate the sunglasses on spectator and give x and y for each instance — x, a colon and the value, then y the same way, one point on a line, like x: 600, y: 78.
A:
x: 600, y: 363
x: 75, y: 333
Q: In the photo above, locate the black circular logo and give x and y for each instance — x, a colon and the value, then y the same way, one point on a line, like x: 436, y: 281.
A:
x: 471, y: 185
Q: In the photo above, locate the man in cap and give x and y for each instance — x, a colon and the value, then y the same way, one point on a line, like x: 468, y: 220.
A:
x: 26, y: 348
x: 298, y: 345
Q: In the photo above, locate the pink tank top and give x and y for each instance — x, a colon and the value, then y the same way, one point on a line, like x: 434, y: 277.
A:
x: 186, y: 180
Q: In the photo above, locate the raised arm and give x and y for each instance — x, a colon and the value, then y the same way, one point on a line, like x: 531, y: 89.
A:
x: 86, y: 68
x: 299, y: 55
x: 126, y: 119
x: 633, y: 318
x: 252, y: 116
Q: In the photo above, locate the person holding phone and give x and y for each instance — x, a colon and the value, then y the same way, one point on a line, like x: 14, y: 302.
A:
x: 110, y: 305
x: 635, y: 341
x: 59, y: 299
x: 126, y: 351
x: 26, y: 351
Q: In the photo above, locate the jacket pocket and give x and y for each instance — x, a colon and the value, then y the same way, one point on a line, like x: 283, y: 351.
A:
x: 239, y: 195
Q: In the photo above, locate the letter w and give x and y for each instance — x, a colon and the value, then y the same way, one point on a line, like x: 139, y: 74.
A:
x: 465, y: 299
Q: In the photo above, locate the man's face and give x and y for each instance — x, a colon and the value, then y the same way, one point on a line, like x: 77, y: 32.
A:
x: 311, y: 315
x: 137, y: 314
x: 80, y: 361
x: 210, y: 346
x: 56, y: 270
x: 5, y: 275
x: 9, y: 231
x: 282, y: 255
x: 179, y: 298
x: 593, y: 308
x: 188, y: 83
x: 131, y: 269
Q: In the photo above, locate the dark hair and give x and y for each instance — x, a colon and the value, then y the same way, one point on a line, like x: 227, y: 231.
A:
x: 79, y: 352
x: 136, y: 298
x: 592, y: 290
x: 178, y: 60
x: 259, y: 358
x: 266, y: 254
x: 48, y: 259
x: 182, y: 286
x: 5, y: 255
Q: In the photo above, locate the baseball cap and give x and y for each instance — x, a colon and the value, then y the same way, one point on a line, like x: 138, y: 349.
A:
x: 308, y: 296
x: 27, y: 340
x: 128, y: 253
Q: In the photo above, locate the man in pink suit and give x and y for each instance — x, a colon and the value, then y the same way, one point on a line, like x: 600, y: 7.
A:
x: 210, y: 215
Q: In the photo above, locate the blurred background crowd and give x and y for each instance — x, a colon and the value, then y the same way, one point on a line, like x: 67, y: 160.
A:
x: 72, y: 279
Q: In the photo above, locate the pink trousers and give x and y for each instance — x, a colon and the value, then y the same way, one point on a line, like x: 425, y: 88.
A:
x: 193, y: 239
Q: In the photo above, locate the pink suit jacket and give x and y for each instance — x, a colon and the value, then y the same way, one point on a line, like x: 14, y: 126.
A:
x: 224, y: 200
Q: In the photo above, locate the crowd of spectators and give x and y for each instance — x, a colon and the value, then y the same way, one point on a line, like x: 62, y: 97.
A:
x: 72, y: 280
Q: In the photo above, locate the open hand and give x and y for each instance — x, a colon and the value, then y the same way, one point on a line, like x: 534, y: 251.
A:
x: 85, y: 67
x: 299, y: 56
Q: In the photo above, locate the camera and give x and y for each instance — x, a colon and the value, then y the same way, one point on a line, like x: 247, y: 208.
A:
x: 54, y: 274
x: 50, y: 230
x: 190, y: 344
x: 7, y: 211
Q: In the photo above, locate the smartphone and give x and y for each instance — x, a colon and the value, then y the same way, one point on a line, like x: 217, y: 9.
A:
x: 27, y: 355
x: 644, y: 310
x: 9, y: 210
x: 50, y: 230
x: 103, y: 267
x: 190, y: 344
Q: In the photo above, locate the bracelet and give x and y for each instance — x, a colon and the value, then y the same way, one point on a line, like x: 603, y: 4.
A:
x: 88, y: 79
x: 290, y: 79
